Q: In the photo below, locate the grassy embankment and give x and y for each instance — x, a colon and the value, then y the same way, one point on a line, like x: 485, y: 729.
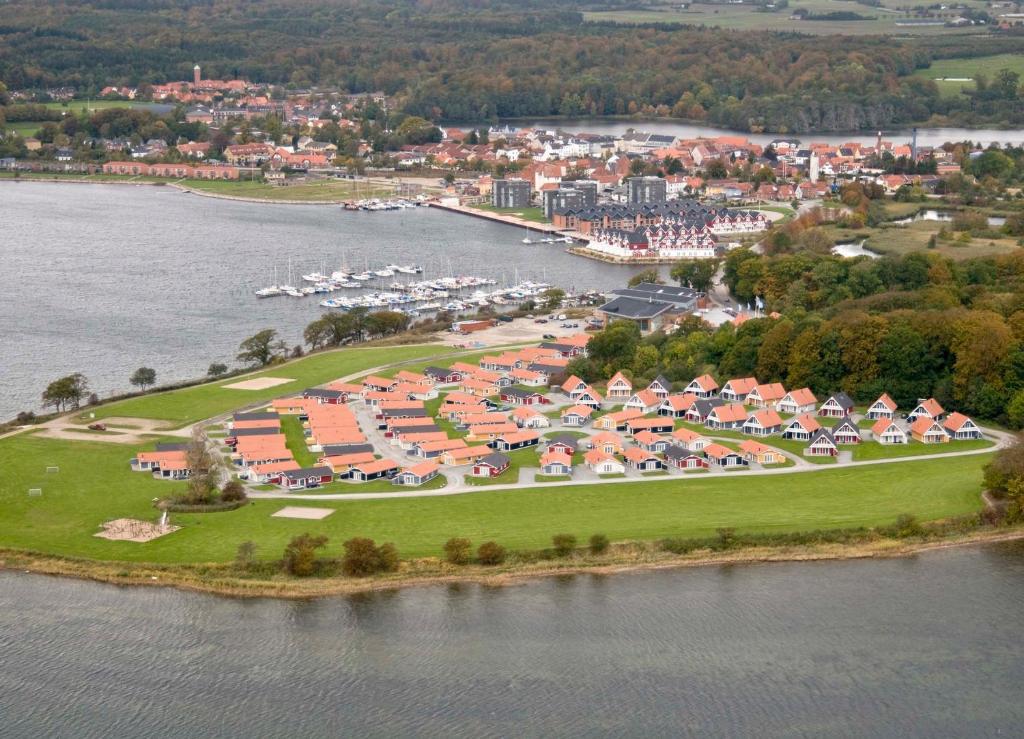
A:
x: 95, y: 485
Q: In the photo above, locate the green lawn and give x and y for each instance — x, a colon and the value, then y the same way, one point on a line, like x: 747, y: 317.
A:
x: 527, y: 214
x: 295, y: 439
x: 180, y: 407
x: 96, y: 485
x: 874, y: 450
x: 527, y: 457
x: 968, y: 69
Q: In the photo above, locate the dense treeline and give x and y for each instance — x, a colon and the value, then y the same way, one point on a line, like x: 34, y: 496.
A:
x: 914, y: 327
x: 480, y: 59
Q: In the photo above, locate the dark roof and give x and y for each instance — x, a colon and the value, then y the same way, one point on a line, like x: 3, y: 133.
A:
x: 635, y: 308
x: 661, y: 380
x: 570, y: 441
x: 823, y: 433
x: 418, y: 429
x: 516, y: 392
x: 549, y: 369
x: 844, y: 421
x: 674, y: 451
x: 440, y: 371
x: 263, y: 416
x: 404, y: 412
x: 496, y: 459
x: 303, y: 473
x: 704, y: 407
x: 842, y: 399
x: 338, y: 450
x: 319, y: 392
x: 264, y: 431
x: 669, y: 293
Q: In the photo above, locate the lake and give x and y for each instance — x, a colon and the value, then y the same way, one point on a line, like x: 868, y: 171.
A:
x: 103, y: 279
x: 917, y: 647
x: 925, y: 136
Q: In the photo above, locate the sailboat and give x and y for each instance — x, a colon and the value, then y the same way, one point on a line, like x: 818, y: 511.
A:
x: 270, y: 292
x: 527, y: 239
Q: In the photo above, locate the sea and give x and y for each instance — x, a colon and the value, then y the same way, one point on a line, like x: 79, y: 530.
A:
x: 924, y: 646
x: 103, y: 279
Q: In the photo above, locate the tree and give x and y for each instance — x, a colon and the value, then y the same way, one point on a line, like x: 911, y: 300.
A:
x: 300, y: 554
x: 599, y: 544
x: 363, y: 557
x: 552, y: 298
x: 232, y: 492
x: 697, y: 273
x: 143, y: 377
x: 261, y: 348
x: 216, y: 370
x: 648, y: 275
x: 204, y: 468
x: 67, y: 392
x: 458, y: 551
x: 563, y: 544
x: 490, y: 553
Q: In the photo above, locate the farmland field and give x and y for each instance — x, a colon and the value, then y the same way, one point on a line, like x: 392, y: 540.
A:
x: 967, y: 69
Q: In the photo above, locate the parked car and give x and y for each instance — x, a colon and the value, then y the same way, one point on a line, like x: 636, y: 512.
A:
x: 549, y: 336
x: 505, y: 319
x: 97, y: 427
x: 541, y: 320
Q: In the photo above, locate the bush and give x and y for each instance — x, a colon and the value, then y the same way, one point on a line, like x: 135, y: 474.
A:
x: 26, y: 417
x: 726, y: 538
x: 490, y: 553
x: 363, y: 557
x: 458, y: 551
x: 598, y: 544
x: 232, y: 491
x: 563, y: 544
x: 245, y: 554
x: 906, y: 525
x: 300, y: 554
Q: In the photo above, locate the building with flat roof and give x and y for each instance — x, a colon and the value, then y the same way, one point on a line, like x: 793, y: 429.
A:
x: 653, y: 307
x: 510, y: 194
x: 640, y: 190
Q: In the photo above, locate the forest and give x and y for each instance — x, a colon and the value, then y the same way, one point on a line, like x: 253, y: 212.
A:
x: 477, y: 60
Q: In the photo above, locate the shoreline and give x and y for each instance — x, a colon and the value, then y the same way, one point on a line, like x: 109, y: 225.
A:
x: 218, y: 580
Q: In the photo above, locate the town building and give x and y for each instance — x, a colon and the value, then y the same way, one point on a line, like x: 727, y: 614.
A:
x: 510, y: 193
x: 641, y: 190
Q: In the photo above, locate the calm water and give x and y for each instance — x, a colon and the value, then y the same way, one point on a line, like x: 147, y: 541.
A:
x: 101, y: 279
x: 928, y: 646
x: 925, y: 136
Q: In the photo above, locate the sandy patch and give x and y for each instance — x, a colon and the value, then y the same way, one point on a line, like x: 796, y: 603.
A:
x: 131, y: 529
x: 259, y: 383
x: 312, y: 514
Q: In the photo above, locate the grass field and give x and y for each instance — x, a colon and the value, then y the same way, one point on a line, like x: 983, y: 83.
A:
x: 306, y: 191
x: 527, y: 214
x: 747, y: 18
x: 95, y: 485
x: 203, y: 401
x: 961, y: 69
x: 902, y: 240
x: 874, y: 450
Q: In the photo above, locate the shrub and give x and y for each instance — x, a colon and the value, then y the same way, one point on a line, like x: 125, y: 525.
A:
x: 26, y: 417
x: 490, y: 553
x: 245, y: 554
x: 458, y: 551
x: 300, y: 554
x: 726, y: 537
x: 598, y: 544
x: 563, y: 544
x: 906, y: 525
x: 363, y: 557
x: 232, y: 491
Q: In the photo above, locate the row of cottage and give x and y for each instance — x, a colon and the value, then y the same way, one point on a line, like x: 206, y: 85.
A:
x: 498, y: 406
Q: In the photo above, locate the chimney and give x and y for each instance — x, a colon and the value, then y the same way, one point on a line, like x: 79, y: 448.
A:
x: 913, y: 145
x: 878, y: 144
x: 197, y: 75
